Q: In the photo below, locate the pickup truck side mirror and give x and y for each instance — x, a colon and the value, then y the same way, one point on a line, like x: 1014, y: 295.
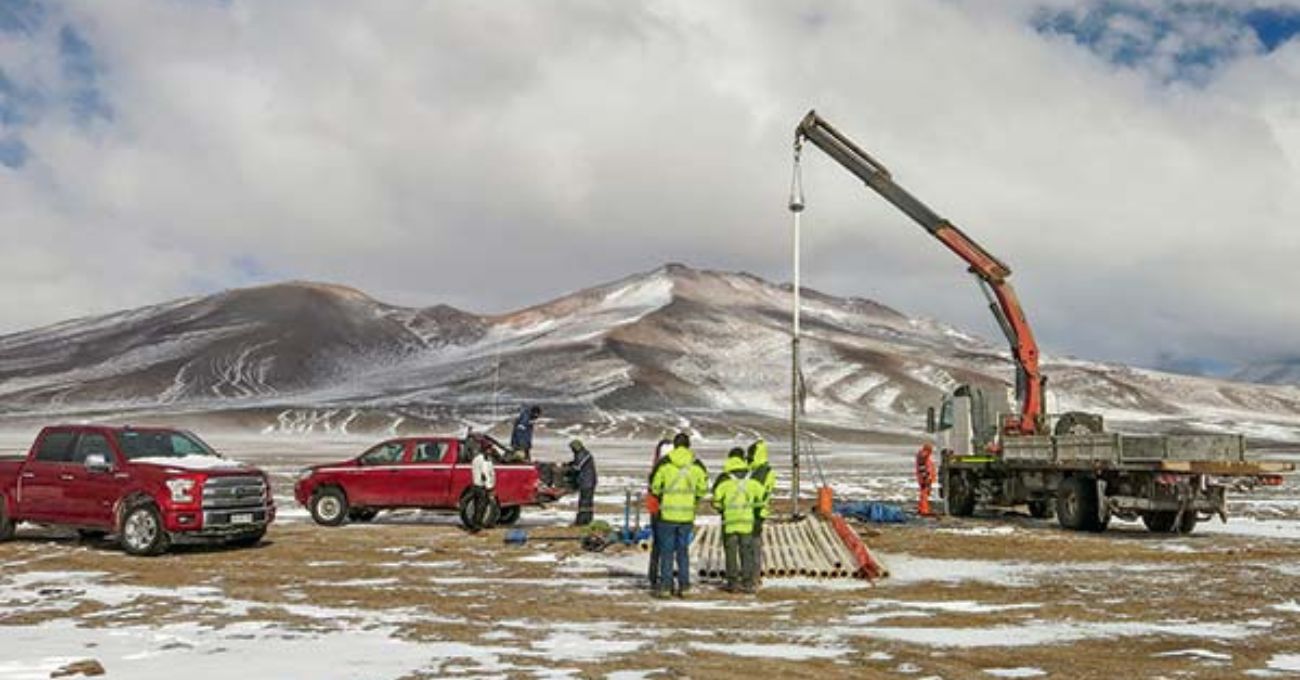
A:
x: 97, y: 462
x: 929, y: 420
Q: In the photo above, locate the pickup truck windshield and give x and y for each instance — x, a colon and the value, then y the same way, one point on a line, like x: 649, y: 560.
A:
x: 161, y: 444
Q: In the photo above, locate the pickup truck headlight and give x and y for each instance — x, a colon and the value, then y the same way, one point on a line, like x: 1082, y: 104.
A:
x: 182, y: 490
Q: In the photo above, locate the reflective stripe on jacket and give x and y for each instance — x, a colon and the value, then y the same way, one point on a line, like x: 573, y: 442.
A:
x: 679, y: 484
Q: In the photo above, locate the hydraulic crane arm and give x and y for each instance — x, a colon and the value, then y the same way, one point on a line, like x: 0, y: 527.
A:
x: 991, y: 272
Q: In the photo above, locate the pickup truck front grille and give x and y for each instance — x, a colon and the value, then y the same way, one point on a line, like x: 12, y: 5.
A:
x: 221, y: 493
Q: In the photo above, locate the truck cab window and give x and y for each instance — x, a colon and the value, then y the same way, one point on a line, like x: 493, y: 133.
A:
x: 427, y: 452
x: 946, y: 415
x: 91, y: 445
x: 56, y: 447
x: 389, y: 453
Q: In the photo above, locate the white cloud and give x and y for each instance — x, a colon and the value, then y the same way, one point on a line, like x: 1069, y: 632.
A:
x: 493, y: 154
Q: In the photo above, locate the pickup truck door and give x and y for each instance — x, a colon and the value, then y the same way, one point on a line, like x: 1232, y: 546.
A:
x: 94, y: 492
x: 377, y: 479
x: 427, y: 481
x: 41, y: 486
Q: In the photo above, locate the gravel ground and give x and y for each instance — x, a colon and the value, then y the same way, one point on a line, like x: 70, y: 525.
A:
x: 412, y: 596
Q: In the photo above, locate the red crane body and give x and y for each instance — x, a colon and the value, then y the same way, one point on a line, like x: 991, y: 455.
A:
x: 991, y: 272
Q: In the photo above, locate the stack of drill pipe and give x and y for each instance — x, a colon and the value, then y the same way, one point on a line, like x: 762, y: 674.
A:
x: 831, y: 561
x: 812, y: 547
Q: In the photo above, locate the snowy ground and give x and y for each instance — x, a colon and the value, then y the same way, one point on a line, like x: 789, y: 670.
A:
x: 411, y: 596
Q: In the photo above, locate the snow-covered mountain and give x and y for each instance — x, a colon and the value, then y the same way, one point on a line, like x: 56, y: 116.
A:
x: 675, y: 347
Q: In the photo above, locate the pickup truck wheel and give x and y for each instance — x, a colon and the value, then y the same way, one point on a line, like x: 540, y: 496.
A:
x: 1040, y: 509
x: 329, y: 507
x: 1188, y: 525
x: 960, y: 495
x: 142, y: 532
x: 466, y: 507
x: 510, y: 515
x: 7, y: 525
x: 1076, y: 504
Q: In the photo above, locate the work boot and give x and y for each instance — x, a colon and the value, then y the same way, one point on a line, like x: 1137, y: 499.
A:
x: 749, y: 589
x: 682, y: 592
x: 729, y: 587
x: 659, y: 594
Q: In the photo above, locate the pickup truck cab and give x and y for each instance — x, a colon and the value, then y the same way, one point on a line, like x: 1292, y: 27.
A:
x: 425, y: 473
x: 148, y: 486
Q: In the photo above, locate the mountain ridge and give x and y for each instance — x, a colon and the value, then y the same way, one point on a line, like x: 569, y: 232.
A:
x: 671, y: 347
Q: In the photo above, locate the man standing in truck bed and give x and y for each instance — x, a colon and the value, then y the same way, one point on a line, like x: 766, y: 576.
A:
x: 521, y: 437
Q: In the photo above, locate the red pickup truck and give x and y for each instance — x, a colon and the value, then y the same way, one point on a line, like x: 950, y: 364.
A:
x: 422, y: 472
x: 149, y: 486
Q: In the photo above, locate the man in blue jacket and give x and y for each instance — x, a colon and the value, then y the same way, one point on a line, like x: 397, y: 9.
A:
x: 521, y: 438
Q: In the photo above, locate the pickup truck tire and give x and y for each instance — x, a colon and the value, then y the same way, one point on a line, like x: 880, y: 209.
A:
x: 465, y: 506
x: 1076, y: 504
x: 329, y: 507
x: 509, y: 515
x: 960, y: 495
x: 7, y: 525
x: 142, y: 533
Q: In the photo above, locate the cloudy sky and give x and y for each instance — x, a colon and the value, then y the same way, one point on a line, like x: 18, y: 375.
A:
x: 1136, y: 163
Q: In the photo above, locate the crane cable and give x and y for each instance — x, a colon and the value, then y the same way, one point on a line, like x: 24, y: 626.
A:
x: 796, y: 206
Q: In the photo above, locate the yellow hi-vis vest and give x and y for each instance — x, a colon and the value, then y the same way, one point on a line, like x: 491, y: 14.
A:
x: 679, y: 499
x: 738, y: 498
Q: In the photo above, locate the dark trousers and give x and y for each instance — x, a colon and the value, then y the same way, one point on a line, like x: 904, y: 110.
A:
x: 481, y: 498
x: 757, y: 547
x: 654, y: 551
x: 675, y: 543
x: 740, y: 559
x: 586, y: 503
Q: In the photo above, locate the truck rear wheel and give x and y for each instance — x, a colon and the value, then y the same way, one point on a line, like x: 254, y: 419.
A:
x: 329, y: 507
x: 509, y: 515
x: 1167, y: 522
x: 142, y: 533
x: 1159, y: 522
x: 7, y: 525
x: 959, y: 497
x: 1040, y: 509
x: 1076, y: 504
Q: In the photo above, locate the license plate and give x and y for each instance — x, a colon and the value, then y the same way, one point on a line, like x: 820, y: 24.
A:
x: 242, y: 518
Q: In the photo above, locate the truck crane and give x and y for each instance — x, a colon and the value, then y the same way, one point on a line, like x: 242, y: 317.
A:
x: 1076, y: 469
x: 990, y: 272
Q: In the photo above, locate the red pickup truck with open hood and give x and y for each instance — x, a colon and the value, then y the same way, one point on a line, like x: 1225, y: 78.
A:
x: 422, y: 472
x: 148, y: 486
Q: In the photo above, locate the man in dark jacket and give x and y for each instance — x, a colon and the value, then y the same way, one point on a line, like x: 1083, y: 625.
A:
x: 521, y: 438
x: 584, y: 472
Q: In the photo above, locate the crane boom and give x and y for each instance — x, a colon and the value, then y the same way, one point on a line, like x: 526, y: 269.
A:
x: 989, y: 270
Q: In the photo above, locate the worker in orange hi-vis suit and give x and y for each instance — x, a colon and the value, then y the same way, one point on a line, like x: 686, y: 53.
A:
x: 925, y: 476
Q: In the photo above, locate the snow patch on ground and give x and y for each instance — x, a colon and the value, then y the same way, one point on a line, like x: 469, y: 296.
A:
x: 1021, y: 672
x: 789, y: 652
